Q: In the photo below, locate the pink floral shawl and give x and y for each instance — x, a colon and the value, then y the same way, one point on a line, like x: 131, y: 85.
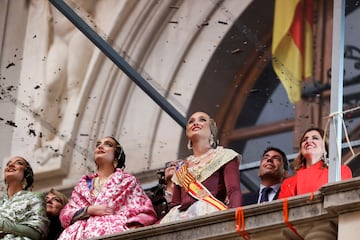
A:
x: 122, y: 191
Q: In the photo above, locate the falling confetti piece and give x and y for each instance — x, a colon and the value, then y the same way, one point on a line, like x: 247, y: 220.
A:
x: 11, y: 123
x: 10, y: 65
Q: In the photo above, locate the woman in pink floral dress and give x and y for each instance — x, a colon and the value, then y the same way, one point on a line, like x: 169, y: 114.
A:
x: 109, y: 201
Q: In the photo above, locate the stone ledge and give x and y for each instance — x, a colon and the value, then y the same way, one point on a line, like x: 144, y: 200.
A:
x: 311, y: 214
x: 342, y: 197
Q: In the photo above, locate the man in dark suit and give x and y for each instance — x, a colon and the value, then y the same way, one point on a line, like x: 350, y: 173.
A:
x: 273, y: 169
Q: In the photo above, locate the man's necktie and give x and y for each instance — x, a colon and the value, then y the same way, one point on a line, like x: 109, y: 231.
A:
x: 265, y: 194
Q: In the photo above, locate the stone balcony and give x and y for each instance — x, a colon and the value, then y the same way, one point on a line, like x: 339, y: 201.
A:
x: 331, y: 213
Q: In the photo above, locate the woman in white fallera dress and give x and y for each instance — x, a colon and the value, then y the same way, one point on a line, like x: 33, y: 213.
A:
x: 213, y: 172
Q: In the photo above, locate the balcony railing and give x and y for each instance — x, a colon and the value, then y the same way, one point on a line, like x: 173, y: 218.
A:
x: 331, y: 213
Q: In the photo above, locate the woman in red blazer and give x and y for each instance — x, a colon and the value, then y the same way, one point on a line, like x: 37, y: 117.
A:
x: 311, y: 166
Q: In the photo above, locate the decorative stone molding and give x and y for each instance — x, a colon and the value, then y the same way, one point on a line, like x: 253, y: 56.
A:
x: 69, y: 94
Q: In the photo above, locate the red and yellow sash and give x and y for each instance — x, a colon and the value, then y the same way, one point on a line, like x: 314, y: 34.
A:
x: 196, y: 189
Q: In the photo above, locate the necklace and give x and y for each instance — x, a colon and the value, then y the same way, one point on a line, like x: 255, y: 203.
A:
x: 98, y: 184
x: 196, y: 160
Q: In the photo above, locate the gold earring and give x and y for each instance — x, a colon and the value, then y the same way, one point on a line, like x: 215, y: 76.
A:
x: 325, y: 159
x: 24, y: 183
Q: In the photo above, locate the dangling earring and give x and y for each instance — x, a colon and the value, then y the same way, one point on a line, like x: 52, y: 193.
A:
x: 212, y: 141
x: 24, y: 183
x: 189, y: 145
x: 115, y: 163
x: 325, y: 159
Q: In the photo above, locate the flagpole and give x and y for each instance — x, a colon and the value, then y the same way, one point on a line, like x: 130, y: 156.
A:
x: 336, y: 92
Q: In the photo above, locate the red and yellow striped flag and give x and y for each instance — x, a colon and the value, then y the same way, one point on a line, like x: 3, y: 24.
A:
x: 292, y: 49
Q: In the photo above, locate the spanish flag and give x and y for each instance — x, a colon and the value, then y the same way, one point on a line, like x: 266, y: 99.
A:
x: 292, y: 49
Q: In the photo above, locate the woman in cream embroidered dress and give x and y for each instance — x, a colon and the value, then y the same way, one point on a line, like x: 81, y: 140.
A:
x: 215, y: 167
x: 107, y: 202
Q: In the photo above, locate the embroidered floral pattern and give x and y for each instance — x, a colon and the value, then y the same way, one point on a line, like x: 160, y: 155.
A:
x: 27, y: 208
x: 122, y: 192
x: 221, y: 157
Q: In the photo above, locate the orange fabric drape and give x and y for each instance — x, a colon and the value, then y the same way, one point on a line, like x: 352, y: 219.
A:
x: 292, y: 49
x: 240, y: 223
x: 286, y: 219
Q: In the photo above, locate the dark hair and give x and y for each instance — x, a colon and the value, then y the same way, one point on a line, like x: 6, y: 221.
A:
x: 283, y: 155
x: 300, y: 160
x: 28, y: 175
x: 161, y: 176
x: 119, y: 154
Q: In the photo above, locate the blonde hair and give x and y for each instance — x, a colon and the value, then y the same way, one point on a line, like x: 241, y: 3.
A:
x: 214, y: 132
